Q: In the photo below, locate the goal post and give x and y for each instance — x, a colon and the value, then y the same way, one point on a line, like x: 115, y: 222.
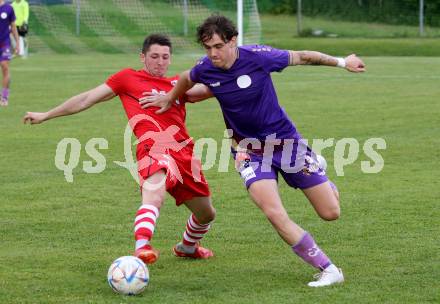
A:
x: 240, y: 22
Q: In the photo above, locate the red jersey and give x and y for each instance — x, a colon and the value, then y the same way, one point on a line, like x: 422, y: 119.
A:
x: 129, y: 85
x: 181, y: 183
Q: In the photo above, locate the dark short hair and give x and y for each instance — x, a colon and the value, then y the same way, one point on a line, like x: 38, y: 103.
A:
x: 216, y: 24
x: 159, y: 39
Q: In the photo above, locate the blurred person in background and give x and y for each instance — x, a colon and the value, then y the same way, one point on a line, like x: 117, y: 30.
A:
x: 21, y: 10
x: 7, y: 25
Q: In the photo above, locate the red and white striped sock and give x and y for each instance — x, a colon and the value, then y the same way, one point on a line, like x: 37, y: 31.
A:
x: 144, y: 225
x: 194, y: 233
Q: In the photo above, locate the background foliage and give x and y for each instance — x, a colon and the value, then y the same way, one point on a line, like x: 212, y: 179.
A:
x: 386, y: 11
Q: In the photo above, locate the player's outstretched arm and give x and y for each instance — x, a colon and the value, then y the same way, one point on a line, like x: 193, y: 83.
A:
x: 164, y: 102
x: 73, y: 105
x: 198, y: 93
x: 351, y: 63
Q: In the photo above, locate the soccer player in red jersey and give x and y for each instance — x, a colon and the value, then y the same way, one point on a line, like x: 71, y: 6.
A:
x: 164, y: 150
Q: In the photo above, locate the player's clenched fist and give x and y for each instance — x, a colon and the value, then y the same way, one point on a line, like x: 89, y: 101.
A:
x: 354, y: 64
x: 34, y: 118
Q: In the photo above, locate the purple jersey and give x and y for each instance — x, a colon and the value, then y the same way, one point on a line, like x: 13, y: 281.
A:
x: 246, y: 93
x: 7, y: 16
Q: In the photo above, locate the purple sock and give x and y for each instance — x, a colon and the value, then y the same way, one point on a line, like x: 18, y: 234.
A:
x: 333, y: 186
x: 5, y: 93
x: 307, y: 249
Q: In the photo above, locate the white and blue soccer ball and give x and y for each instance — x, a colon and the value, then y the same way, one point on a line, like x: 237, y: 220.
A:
x: 128, y: 275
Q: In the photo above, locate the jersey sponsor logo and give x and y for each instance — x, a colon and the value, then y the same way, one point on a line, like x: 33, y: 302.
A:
x: 247, y: 173
x: 244, y: 81
x: 215, y: 84
x: 262, y: 49
x: 156, y: 92
x: 4, y: 15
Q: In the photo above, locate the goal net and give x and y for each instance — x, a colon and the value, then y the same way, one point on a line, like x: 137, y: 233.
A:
x: 119, y: 26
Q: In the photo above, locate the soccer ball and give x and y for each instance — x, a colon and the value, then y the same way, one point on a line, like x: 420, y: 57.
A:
x: 128, y: 275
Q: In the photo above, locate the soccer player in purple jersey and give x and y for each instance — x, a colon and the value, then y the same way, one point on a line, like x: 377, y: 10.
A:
x: 239, y: 77
x: 7, y: 24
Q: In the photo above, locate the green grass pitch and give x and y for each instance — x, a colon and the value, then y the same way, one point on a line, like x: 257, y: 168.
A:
x: 58, y: 239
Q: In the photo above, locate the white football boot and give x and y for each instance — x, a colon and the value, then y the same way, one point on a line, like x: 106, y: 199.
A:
x: 329, y: 276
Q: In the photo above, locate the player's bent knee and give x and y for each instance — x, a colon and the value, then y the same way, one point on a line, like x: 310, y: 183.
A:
x: 330, y: 214
x: 207, y: 217
x: 154, y: 197
x: 212, y: 214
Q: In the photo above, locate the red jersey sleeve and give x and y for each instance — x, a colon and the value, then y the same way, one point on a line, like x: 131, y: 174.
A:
x: 183, y: 98
x: 118, y: 81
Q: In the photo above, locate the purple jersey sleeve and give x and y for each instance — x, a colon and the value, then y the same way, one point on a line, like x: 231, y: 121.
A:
x: 12, y: 16
x: 272, y: 59
x: 195, y: 72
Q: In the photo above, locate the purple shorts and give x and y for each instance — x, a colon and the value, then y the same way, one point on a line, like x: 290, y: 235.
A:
x: 5, y: 52
x: 294, y: 160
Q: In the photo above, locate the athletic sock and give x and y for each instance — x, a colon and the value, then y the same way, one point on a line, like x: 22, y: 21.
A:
x: 193, y: 234
x: 5, y: 93
x: 309, y: 251
x: 333, y: 186
x: 144, y: 225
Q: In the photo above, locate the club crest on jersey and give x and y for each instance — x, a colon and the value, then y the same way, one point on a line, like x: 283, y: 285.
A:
x: 4, y: 15
x: 173, y: 82
x: 244, y: 81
